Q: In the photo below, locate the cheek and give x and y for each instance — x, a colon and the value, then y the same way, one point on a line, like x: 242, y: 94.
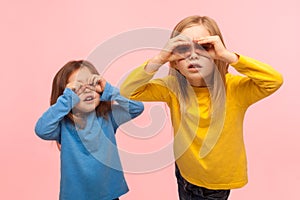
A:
x: 97, y: 95
x: 97, y: 103
x: 211, y: 67
x: 179, y: 65
x: 97, y: 98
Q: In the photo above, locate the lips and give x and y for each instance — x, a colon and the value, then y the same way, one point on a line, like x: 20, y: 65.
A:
x: 194, y: 66
x: 89, y: 98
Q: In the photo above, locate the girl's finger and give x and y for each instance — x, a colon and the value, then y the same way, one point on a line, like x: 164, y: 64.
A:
x: 208, y: 39
x: 182, y: 37
x: 80, y: 88
x: 73, y: 86
x: 98, y: 88
x: 90, y: 87
x: 97, y: 80
x: 91, y: 80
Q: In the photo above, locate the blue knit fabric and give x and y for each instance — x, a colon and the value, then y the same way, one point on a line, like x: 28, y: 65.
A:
x: 90, y: 163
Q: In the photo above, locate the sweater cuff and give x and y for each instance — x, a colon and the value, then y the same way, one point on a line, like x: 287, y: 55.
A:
x: 243, y: 60
x: 144, y: 65
x: 108, y: 90
x: 73, y: 96
x: 143, y: 72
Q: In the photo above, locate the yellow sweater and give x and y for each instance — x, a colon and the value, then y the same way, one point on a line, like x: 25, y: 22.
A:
x: 225, y: 166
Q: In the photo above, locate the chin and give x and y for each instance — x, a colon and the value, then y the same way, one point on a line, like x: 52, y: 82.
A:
x: 88, y: 110
x: 194, y: 76
x: 86, y: 107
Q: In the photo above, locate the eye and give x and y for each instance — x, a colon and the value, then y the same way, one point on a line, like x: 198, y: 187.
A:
x: 205, y: 47
x: 182, y: 49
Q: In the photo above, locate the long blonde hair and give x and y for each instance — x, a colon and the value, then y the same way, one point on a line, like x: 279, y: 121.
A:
x: 213, y: 29
x: 217, y: 89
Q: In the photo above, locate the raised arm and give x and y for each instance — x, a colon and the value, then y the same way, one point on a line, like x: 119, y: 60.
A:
x: 139, y: 84
x: 48, y: 125
x: 123, y: 109
x: 260, y: 80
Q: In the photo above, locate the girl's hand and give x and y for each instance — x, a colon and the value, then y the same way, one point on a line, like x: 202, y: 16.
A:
x: 98, y: 82
x: 216, y: 49
x: 77, y: 87
x: 168, y: 54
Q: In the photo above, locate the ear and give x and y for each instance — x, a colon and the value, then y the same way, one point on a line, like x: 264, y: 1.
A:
x: 173, y: 64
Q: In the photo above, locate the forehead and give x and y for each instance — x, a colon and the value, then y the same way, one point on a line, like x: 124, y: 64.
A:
x: 195, y: 32
x: 81, y: 75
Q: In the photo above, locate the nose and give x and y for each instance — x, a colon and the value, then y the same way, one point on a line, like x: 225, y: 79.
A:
x: 194, y: 55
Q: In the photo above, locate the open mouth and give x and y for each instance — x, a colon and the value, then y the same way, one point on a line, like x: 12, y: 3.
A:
x: 194, y: 66
x: 89, y: 98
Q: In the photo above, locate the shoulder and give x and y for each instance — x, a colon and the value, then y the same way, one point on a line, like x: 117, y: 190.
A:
x: 164, y: 80
x: 233, y: 80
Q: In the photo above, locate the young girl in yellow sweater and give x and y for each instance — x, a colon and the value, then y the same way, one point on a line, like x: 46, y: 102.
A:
x: 207, y: 105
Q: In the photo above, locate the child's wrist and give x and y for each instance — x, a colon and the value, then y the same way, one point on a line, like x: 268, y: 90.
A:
x: 230, y: 57
x: 234, y: 58
x: 154, y: 64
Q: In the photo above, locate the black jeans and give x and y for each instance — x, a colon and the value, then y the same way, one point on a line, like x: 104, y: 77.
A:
x: 188, y: 191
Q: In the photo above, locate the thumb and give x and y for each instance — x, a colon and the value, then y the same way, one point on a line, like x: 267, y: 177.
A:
x: 99, y: 88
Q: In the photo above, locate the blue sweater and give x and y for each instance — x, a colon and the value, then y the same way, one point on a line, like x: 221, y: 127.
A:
x: 90, y: 163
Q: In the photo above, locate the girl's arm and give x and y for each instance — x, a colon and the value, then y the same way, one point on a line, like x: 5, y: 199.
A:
x: 48, y: 125
x: 139, y: 85
x: 123, y: 109
x: 261, y: 80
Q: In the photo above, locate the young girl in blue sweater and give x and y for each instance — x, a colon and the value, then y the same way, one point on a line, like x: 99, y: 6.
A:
x: 84, y: 115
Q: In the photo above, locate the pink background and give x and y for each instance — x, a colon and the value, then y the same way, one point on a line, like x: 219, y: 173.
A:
x: 38, y: 37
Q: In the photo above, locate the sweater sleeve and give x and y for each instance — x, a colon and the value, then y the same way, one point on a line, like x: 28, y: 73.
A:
x: 139, y: 85
x: 260, y: 80
x: 48, y: 125
x: 123, y: 109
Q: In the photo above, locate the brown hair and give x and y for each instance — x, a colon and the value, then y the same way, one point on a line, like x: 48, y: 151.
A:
x: 61, y: 80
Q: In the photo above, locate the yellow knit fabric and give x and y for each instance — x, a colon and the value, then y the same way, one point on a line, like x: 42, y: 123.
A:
x: 225, y: 166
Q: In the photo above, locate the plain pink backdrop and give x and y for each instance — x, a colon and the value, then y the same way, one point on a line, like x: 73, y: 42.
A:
x: 38, y: 37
